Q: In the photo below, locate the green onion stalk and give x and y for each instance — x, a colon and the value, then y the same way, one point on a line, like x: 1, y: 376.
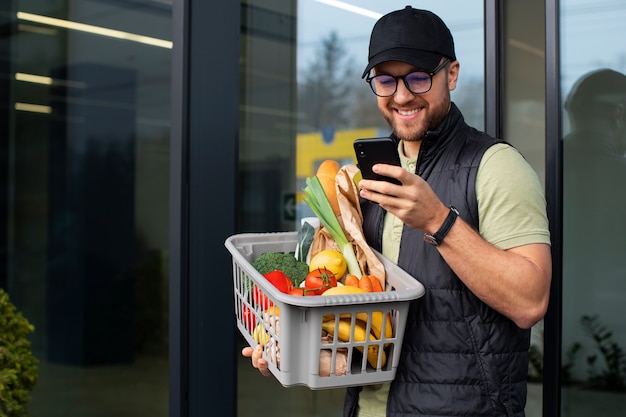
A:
x: 318, y: 201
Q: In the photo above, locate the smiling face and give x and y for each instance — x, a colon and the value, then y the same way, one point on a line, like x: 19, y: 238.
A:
x: 412, y: 115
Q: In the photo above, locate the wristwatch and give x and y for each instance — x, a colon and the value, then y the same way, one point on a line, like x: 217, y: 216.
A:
x: 436, y: 238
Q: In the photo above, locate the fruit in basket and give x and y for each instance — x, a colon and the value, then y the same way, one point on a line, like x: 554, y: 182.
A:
x: 318, y: 281
x: 260, y: 335
x: 330, y: 259
x: 302, y: 291
x: 297, y: 291
x: 344, y: 332
x: 272, y: 311
x: 285, y: 262
x: 344, y: 290
x: 376, y: 324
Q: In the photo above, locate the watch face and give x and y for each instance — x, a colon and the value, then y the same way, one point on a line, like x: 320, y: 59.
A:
x: 431, y: 239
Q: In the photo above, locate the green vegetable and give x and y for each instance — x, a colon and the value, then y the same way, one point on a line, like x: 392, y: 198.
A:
x: 285, y: 262
x: 318, y: 201
x: 306, y: 235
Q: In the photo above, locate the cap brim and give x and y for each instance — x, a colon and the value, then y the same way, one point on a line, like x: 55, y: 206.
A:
x: 418, y: 58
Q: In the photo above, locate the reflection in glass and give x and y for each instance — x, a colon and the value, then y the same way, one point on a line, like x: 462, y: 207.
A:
x: 85, y: 96
x: 594, y: 230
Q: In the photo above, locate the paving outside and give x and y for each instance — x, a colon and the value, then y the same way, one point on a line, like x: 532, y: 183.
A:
x: 136, y: 390
x: 265, y: 395
x: 141, y: 390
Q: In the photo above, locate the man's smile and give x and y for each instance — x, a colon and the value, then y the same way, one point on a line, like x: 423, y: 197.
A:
x: 407, y: 112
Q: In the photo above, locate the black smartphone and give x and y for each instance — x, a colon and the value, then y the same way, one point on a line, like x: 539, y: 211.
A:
x: 371, y: 151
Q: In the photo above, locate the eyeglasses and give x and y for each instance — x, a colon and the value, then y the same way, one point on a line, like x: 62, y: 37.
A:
x: 417, y: 82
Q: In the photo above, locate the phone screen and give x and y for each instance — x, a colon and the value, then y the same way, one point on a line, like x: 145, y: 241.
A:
x: 373, y: 151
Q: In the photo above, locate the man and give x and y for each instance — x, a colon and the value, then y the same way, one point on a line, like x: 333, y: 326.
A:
x: 468, y: 221
x: 473, y: 229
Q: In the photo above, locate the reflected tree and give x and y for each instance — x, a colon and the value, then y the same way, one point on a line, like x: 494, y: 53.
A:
x: 325, y: 91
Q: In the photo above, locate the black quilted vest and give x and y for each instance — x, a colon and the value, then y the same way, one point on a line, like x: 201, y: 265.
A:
x: 459, y: 356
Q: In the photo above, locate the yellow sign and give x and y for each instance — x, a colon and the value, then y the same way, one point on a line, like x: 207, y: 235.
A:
x: 312, y: 150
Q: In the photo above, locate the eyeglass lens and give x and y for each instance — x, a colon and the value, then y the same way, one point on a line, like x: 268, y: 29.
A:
x: 386, y: 85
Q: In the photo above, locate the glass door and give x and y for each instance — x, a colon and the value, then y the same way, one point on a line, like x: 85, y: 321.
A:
x: 85, y: 136
x: 594, y: 231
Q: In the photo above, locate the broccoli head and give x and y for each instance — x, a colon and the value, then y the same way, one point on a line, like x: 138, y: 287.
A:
x: 285, y: 262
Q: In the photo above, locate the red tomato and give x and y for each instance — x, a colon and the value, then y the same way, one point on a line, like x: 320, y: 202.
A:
x: 302, y: 292
x: 319, y: 280
x: 298, y: 292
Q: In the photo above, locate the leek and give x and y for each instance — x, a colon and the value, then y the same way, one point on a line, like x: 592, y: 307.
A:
x: 317, y: 200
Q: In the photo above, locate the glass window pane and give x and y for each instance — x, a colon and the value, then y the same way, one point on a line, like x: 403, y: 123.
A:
x: 87, y: 84
x: 524, y: 128
x: 594, y: 231
x: 524, y: 89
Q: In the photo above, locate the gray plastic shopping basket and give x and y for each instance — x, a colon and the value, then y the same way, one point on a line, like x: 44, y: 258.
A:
x: 291, y: 329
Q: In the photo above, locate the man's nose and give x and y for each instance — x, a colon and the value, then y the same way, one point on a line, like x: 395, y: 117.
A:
x: 402, y: 92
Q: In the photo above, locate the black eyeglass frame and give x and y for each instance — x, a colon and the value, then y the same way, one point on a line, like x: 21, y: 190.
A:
x: 431, y: 74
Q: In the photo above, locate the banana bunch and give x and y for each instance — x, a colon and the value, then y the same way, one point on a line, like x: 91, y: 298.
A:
x: 344, y: 332
x: 376, y: 326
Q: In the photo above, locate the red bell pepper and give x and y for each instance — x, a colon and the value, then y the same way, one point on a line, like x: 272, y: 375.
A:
x: 279, y: 280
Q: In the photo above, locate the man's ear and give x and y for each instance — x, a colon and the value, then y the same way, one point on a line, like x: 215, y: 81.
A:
x: 453, y: 74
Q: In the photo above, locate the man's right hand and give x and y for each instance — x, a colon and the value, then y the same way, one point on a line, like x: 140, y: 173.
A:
x: 258, y: 362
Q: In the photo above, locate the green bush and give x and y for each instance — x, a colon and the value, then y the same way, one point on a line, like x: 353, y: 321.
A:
x: 18, y: 366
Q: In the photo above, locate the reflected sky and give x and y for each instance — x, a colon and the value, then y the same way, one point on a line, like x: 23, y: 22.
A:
x: 591, y: 37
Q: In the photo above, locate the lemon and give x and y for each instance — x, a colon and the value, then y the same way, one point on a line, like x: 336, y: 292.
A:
x: 330, y: 259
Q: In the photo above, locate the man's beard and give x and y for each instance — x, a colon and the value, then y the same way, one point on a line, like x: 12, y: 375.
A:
x: 431, y: 122
x: 411, y: 136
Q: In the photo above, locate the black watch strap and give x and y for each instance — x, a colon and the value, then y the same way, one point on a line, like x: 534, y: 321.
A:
x: 436, y: 238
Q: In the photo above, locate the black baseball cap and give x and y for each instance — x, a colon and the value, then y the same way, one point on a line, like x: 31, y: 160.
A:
x: 414, y: 36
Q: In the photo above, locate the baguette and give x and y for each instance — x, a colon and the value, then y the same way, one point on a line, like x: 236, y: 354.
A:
x: 326, y: 173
